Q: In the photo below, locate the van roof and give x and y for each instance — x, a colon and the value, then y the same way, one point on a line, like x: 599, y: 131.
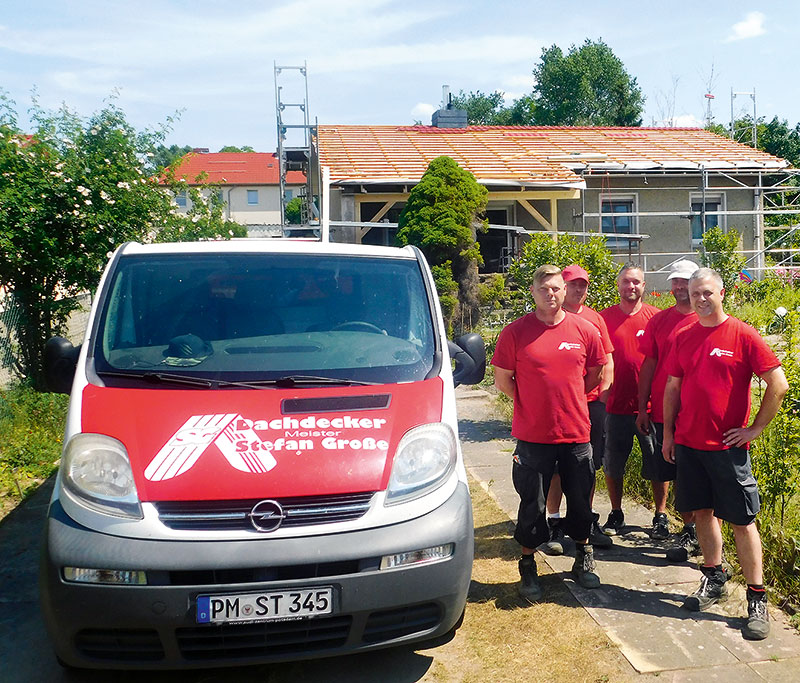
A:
x: 271, y: 246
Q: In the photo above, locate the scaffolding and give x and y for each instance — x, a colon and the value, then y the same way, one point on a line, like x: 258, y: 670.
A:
x: 297, y: 137
x: 775, y: 193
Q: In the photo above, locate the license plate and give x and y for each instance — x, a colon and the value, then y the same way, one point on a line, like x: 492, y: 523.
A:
x: 267, y: 606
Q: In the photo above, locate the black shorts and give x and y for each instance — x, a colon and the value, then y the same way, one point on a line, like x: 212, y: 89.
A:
x: 660, y: 468
x: 597, y: 416
x: 532, y: 469
x: 620, y: 430
x: 717, y: 480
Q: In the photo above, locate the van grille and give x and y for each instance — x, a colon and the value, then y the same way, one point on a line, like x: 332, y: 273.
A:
x: 233, y: 515
x: 129, y: 645
x: 233, y: 641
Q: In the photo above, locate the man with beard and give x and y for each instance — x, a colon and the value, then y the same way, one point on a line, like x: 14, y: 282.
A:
x: 655, y: 344
x: 706, y: 411
x: 626, y: 322
x: 576, y: 280
x: 546, y: 362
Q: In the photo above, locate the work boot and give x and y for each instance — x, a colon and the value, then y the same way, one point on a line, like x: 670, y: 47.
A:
x: 757, y: 625
x: 555, y: 546
x: 711, y: 591
x: 596, y: 536
x: 660, y: 529
x: 529, y: 587
x: 614, y: 523
x: 583, y: 567
x: 687, y: 545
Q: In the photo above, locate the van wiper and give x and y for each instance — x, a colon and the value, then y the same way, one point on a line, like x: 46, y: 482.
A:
x: 166, y: 377
x: 298, y: 380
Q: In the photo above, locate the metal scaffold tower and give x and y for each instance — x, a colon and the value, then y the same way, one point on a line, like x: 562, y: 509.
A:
x: 296, y: 138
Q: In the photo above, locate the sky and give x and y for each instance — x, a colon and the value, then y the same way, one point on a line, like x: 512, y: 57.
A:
x: 208, y: 67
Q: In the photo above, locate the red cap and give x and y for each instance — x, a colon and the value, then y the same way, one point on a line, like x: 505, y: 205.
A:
x: 574, y: 272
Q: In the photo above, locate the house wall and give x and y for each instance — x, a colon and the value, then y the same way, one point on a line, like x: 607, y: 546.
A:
x: 669, y: 236
x: 266, y: 212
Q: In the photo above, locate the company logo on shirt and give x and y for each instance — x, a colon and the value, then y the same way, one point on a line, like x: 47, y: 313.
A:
x: 568, y: 346
x: 640, y: 333
x: 721, y: 352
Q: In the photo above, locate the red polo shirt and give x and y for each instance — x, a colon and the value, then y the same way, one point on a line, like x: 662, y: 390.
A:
x: 716, y: 364
x: 549, y: 362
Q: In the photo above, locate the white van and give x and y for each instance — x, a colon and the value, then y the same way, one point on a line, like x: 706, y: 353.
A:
x: 261, y: 459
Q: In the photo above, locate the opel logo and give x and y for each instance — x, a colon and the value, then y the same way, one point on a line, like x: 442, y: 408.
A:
x: 266, y: 515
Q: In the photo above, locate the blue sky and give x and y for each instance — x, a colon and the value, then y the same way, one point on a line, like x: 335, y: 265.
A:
x: 379, y: 61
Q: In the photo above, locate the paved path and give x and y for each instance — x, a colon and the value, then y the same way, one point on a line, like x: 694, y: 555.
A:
x: 638, y: 604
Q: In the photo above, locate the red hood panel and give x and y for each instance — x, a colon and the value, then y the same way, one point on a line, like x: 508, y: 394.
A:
x: 229, y: 444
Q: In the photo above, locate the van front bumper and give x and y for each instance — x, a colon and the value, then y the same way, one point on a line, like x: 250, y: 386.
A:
x: 155, y: 626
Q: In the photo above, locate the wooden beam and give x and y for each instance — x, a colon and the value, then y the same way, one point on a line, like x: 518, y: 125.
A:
x: 361, y: 197
x: 533, y: 212
x: 554, y: 213
x: 384, y: 210
x: 537, y: 194
x: 380, y: 197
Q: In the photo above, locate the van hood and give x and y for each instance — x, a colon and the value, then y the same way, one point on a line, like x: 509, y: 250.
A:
x: 246, y: 443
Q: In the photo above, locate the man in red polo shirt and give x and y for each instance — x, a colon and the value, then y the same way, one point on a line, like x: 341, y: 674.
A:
x: 706, y: 411
x: 546, y: 362
x: 576, y: 280
x: 655, y: 344
x: 626, y: 323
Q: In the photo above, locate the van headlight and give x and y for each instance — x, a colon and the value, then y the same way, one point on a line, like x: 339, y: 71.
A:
x: 425, y: 458
x: 97, y: 471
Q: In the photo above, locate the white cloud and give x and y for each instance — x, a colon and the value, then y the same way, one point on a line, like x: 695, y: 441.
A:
x: 422, y: 111
x: 687, y: 121
x: 751, y: 27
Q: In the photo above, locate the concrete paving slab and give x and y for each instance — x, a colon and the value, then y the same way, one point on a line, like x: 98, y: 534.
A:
x: 783, y: 671
x: 639, y: 603
x: 739, y: 673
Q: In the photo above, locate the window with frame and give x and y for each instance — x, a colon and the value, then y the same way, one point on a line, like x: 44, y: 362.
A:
x: 252, y: 197
x: 713, y: 203
x: 616, y: 218
x: 180, y: 199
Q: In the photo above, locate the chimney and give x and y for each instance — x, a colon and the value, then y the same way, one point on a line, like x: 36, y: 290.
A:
x: 447, y: 116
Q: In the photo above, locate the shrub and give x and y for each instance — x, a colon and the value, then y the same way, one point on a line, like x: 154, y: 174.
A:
x: 31, y: 432
x: 593, y: 255
x: 720, y: 253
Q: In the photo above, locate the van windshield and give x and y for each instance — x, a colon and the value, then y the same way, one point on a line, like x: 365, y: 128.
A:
x: 256, y: 317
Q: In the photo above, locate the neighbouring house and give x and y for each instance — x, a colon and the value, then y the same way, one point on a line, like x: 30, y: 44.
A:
x: 652, y: 191
x: 249, y: 184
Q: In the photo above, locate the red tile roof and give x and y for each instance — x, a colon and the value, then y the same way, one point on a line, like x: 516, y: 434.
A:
x: 236, y: 168
x: 528, y: 155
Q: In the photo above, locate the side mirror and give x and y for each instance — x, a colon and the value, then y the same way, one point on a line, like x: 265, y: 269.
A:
x: 469, y: 354
x: 60, y: 359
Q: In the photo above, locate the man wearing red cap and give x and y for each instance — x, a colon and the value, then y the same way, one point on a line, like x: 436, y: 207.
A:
x: 576, y: 280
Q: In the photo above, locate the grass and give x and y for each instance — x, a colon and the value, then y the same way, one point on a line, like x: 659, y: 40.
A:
x: 506, y: 638
x: 31, y: 431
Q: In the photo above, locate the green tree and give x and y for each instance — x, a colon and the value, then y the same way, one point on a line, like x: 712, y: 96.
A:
x: 71, y: 191
x: 231, y: 148
x: 293, y: 209
x: 166, y: 156
x: 490, y: 110
x: 441, y: 217
x: 720, y: 252
x: 592, y: 255
x: 588, y: 86
x: 482, y: 109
